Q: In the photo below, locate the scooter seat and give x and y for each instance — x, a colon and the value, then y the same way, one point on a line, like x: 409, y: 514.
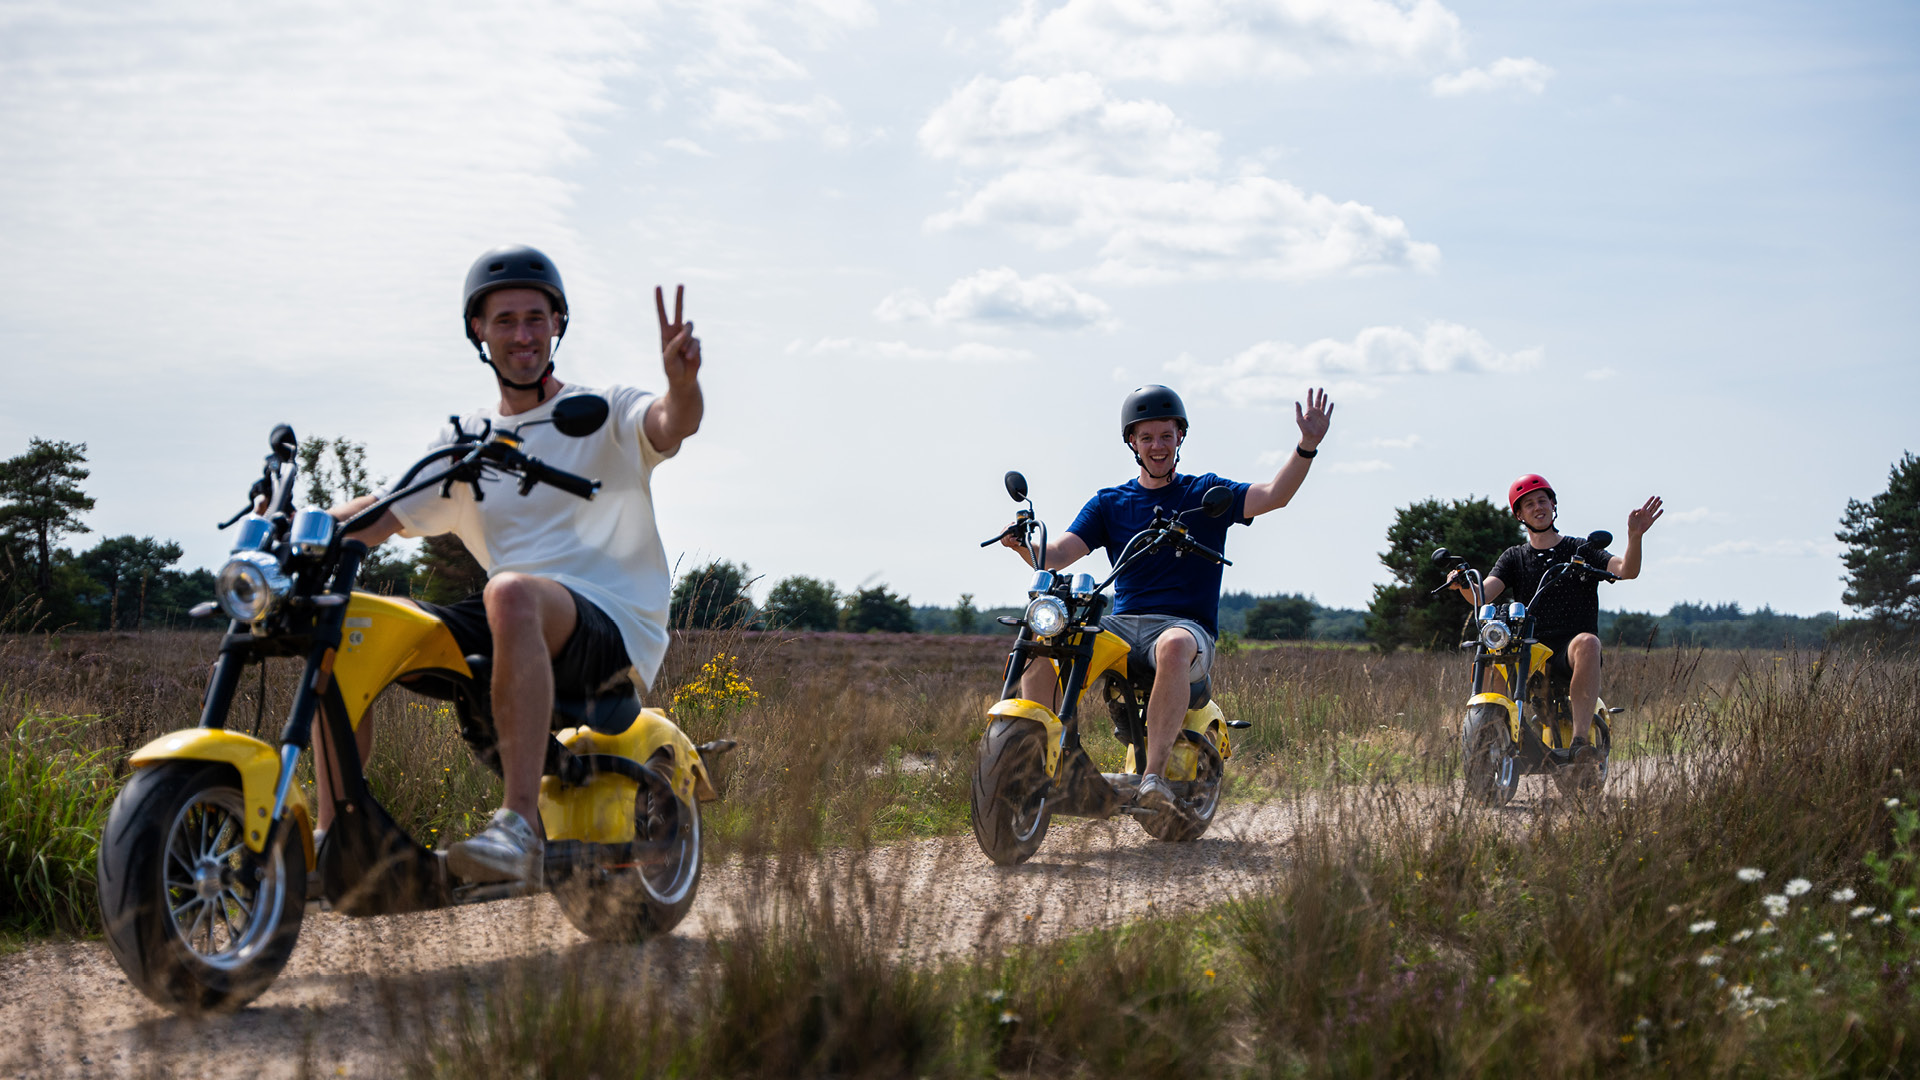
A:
x: 1198, y: 694
x: 608, y: 715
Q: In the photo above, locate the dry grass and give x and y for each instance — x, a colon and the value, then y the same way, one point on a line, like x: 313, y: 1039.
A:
x: 1402, y: 934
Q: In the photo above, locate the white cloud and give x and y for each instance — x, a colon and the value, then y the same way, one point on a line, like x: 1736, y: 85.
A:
x: 1802, y: 549
x: 1277, y: 371
x: 860, y: 349
x: 1219, y: 40
x: 1600, y: 374
x: 687, y: 146
x: 1406, y: 443
x: 1695, y: 516
x: 1359, y: 466
x: 748, y: 115
x: 1076, y: 166
x: 1066, y: 122
x: 1523, y: 74
x: 1001, y: 297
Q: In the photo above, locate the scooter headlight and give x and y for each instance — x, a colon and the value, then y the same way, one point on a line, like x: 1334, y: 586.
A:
x: 251, y: 585
x: 1495, y: 636
x: 1046, y: 616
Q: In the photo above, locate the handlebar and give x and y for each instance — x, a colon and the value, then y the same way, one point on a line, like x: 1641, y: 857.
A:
x: 534, y: 471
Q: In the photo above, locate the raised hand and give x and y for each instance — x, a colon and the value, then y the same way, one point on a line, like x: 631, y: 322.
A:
x: 1315, y: 420
x: 1639, y: 521
x: 679, y: 349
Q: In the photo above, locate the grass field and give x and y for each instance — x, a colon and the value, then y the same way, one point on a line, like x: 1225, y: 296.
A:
x: 1619, y: 936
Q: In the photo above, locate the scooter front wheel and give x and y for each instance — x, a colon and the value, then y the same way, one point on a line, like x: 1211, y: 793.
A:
x: 636, y: 900
x: 196, y: 919
x: 1010, y: 811
x: 1487, y: 754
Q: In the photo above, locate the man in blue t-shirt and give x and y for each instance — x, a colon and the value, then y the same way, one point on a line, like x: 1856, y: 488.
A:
x: 1167, y: 609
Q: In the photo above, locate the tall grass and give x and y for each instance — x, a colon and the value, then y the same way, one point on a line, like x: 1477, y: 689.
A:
x: 1741, y: 904
x: 54, y: 795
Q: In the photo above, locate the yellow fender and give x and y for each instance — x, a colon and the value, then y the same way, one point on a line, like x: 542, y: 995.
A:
x: 258, y: 765
x: 1505, y: 702
x: 1021, y: 708
x: 602, y: 810
x: 383, y: 639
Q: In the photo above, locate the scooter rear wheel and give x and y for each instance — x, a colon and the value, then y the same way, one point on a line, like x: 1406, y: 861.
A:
x: 1487, y: 755
x: 197, y: 920
x: 1574, y: 781
x: 636, y: 901
x: 1195, y: 814
x: 1010, y: 811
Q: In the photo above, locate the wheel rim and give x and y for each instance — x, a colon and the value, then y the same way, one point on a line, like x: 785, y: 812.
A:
x: 1026, y: 819
x: 1202, y: 806
x: 662, y: 819
x: 223, y: 901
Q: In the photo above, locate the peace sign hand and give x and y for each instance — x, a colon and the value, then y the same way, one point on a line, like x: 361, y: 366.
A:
x: 679, y: 349
x: 1639, y: 521
x: 1315, y: 420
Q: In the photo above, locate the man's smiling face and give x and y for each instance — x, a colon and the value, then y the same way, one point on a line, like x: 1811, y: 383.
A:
x: 517, y: 326
x: 1536, y: 509
x: 1157, y: 442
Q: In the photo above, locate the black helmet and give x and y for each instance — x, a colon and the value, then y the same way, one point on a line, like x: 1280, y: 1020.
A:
x: 513, y: 266
x: 1151, y: 403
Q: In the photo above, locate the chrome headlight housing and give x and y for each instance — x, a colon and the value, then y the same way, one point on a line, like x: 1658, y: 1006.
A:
x: 251, y: 585
x: 1495, y: 635
x: 1046, y: 616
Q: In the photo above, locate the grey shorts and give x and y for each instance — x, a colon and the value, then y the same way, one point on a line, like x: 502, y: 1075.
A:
x: 1141, y: 631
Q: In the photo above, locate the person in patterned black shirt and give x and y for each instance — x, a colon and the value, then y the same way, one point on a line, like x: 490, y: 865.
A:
x: 1567, y: 618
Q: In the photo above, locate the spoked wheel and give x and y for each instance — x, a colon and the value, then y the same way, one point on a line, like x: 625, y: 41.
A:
x: 1194, y: 813
x: 1010, y: 811
x: 1487, y: 754
x: 196, y: 919
x: 1580, y: 780
x: 633, y: 901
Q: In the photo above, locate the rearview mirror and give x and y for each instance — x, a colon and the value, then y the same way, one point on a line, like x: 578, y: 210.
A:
x: 1441, y: 556
x: 1017, y: 486
x: 1599, y: 540
x: 1217, y: 499
x: 283, y: 442
x: 579, y: 415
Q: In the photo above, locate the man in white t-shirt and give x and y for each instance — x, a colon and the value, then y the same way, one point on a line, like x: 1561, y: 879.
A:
x: 577, y: 590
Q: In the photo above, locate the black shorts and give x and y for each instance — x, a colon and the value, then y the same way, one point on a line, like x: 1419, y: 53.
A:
x: 1560, y: 664
x: 594, y: 655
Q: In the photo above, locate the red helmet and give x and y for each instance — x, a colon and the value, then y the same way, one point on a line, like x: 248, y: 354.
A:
x: 1529, y: 482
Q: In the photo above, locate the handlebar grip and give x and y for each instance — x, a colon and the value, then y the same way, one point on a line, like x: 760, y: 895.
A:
x: 560, y: 478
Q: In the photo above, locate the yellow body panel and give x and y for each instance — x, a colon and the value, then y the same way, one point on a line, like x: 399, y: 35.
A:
x: 1505, y: 702
x: 384, y: 639
x: 258, y: 765
x: 1033, y: 710
x: 1183, y: 761
x: 602, y: 810
x: 1539, y: 656
x: 1109, y: 654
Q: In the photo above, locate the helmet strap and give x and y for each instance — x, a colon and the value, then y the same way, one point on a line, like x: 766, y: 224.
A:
x: 538, y: 386
x: 1551, y: 525
x: 1138, y: 460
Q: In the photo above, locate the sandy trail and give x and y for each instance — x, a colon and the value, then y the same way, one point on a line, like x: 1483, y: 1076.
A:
x: 69, y: 1011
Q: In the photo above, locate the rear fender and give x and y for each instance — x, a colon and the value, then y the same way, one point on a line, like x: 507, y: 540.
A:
x: 258, y: 764
x: 1209, y: 720
x: 1505, y: 702
x: 601, y: 810
x: 1022, y: 709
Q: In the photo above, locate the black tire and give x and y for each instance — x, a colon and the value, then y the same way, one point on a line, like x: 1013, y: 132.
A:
x: 1580, y: 781
x: 1487, y: 756
x: 1010, y: 811
x: 634, y: 902
x: 172, y: 855
x: 1197, y: 810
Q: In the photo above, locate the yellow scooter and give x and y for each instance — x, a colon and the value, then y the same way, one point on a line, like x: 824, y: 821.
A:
x: 1032, y: 765
x: 208, y: 860
x: 1506, y: 737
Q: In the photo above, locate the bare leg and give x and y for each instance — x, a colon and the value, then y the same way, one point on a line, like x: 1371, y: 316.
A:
x: 1173, y: 655
x: 531, y: 619
x: 322, y: 757
x: 1583, y: 693
x: 1041, y: 683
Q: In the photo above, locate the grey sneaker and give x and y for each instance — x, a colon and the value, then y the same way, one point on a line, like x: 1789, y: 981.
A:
x: 1154, y: 794
x: 507, y: 850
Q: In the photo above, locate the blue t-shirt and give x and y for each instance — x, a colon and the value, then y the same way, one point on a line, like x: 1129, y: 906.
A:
x: 1160, y: 584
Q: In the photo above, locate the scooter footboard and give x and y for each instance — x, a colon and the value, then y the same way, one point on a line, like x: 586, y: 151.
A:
x: 1080, y: 790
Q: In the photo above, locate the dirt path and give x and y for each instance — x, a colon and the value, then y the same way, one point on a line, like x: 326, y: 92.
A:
x: 66, y: 1010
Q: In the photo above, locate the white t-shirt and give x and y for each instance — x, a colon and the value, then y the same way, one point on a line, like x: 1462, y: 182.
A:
x: 607, y: 549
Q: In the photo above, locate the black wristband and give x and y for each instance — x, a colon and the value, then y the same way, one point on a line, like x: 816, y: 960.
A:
x: 1305, y: 453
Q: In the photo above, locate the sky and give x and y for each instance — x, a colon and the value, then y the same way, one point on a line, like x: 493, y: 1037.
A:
x: 1640, y: 248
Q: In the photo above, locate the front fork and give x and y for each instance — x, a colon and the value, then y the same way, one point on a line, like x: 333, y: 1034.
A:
x: 1074, y: 659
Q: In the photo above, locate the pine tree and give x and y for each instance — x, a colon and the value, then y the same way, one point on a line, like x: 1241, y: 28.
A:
x: 1402, y: 613
x: 43, y: 500
x: 1883, y: 551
